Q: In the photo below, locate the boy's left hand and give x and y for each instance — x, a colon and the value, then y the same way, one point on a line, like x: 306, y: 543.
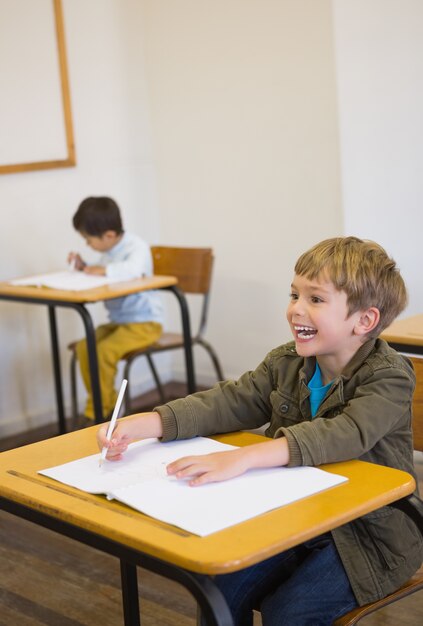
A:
x: 219, y: 466
x: 210, y: 468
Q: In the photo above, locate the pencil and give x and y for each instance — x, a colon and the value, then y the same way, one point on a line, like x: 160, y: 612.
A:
x: 113, y: 420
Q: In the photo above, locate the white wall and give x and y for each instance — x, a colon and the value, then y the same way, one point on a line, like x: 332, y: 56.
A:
x: 379, y: 58
x: 113, y: 149
x: 243, y: 104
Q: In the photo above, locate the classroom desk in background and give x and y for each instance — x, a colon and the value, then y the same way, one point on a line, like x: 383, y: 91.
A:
x: 77, y: 300
x: 138, y: 540
x: 406, y: 336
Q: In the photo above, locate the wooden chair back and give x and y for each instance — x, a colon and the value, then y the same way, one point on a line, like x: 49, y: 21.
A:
x: 192, y: 266
x: 418, y: 405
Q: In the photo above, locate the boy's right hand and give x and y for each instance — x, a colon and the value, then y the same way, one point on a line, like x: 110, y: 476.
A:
x: 75, y: 261
x: 118, y: 443
x: 140, y: 426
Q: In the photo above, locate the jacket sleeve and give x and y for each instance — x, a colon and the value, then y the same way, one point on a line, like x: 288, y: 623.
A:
x: 227, y: 407
x: 381, y: 406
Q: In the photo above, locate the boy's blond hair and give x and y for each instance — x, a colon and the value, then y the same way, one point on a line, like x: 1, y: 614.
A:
x: 363, y: 270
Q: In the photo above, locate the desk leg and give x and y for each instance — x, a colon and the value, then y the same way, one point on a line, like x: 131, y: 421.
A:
x: 131, y: 608
x: 92, y: 360
x: 213, y: 607
x: 56, y: 369
x: 211, y: 601
x: 186, y: 328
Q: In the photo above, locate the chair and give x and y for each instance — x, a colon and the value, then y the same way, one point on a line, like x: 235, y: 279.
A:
x: 353, y: 617
x: 416, y: 582
x: 193, y: 269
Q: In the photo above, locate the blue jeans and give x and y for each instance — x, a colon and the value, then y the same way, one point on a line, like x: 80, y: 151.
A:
x: 304, y: 586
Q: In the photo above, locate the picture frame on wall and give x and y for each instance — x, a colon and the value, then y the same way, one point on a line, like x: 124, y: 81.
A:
x: 36, y: 127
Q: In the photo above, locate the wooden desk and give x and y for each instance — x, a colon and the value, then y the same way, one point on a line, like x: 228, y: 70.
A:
x: 78, y: 300
x: 191, y: 560
x: 406, y: 335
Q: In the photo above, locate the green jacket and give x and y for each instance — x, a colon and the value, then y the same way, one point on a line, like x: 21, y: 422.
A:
x: 365, y: 415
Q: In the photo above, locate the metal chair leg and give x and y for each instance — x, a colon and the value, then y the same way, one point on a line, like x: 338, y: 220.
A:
x: 213, y: 357
x: 127, y: 401
x: 126, y: 374
x: 156, y: 378
x: 74, y: 391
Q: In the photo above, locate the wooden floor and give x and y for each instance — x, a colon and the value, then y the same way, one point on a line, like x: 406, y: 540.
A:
x: 49, y: 580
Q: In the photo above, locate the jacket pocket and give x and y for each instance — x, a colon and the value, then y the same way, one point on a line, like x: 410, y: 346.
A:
x: 386, y: 534
x: 285, y: 409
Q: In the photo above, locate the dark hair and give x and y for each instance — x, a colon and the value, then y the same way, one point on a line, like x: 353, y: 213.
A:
x: 96, y: 215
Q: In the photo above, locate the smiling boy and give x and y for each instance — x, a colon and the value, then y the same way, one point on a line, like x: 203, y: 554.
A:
x: 335, y: 393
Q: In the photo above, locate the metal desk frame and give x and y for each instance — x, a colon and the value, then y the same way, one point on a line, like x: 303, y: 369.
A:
x: 211, y: 601
x: 406, y: 348
x: 82, y: 310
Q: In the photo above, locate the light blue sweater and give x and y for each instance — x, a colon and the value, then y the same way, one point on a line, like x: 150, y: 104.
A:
x: 131, y: 258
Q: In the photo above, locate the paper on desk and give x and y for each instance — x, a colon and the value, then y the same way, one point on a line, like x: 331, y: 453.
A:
x: 144, y: 460
x: 66, y: 280
x: 141, y: 482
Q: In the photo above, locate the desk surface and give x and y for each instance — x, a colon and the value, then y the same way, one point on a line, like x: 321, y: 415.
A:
x: 106, y: 292
x: 408, y: 331
x: 369, y: 487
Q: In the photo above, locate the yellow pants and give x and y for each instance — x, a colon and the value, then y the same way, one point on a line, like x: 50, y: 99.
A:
x: 113, y: 342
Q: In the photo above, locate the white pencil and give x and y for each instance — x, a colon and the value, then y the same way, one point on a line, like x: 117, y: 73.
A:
x: 113, y: 420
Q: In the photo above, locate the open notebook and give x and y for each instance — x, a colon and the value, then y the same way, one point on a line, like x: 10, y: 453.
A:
x: 140, y: 481
x: 67, y: 280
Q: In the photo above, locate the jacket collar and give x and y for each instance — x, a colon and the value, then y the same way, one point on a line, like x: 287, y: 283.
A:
x: 335, y: 395
x: 358, y: 359
x: 352, y: 366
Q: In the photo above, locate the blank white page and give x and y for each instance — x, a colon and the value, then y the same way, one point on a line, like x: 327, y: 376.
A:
x: 66, y: 280
x: 140, y: 481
